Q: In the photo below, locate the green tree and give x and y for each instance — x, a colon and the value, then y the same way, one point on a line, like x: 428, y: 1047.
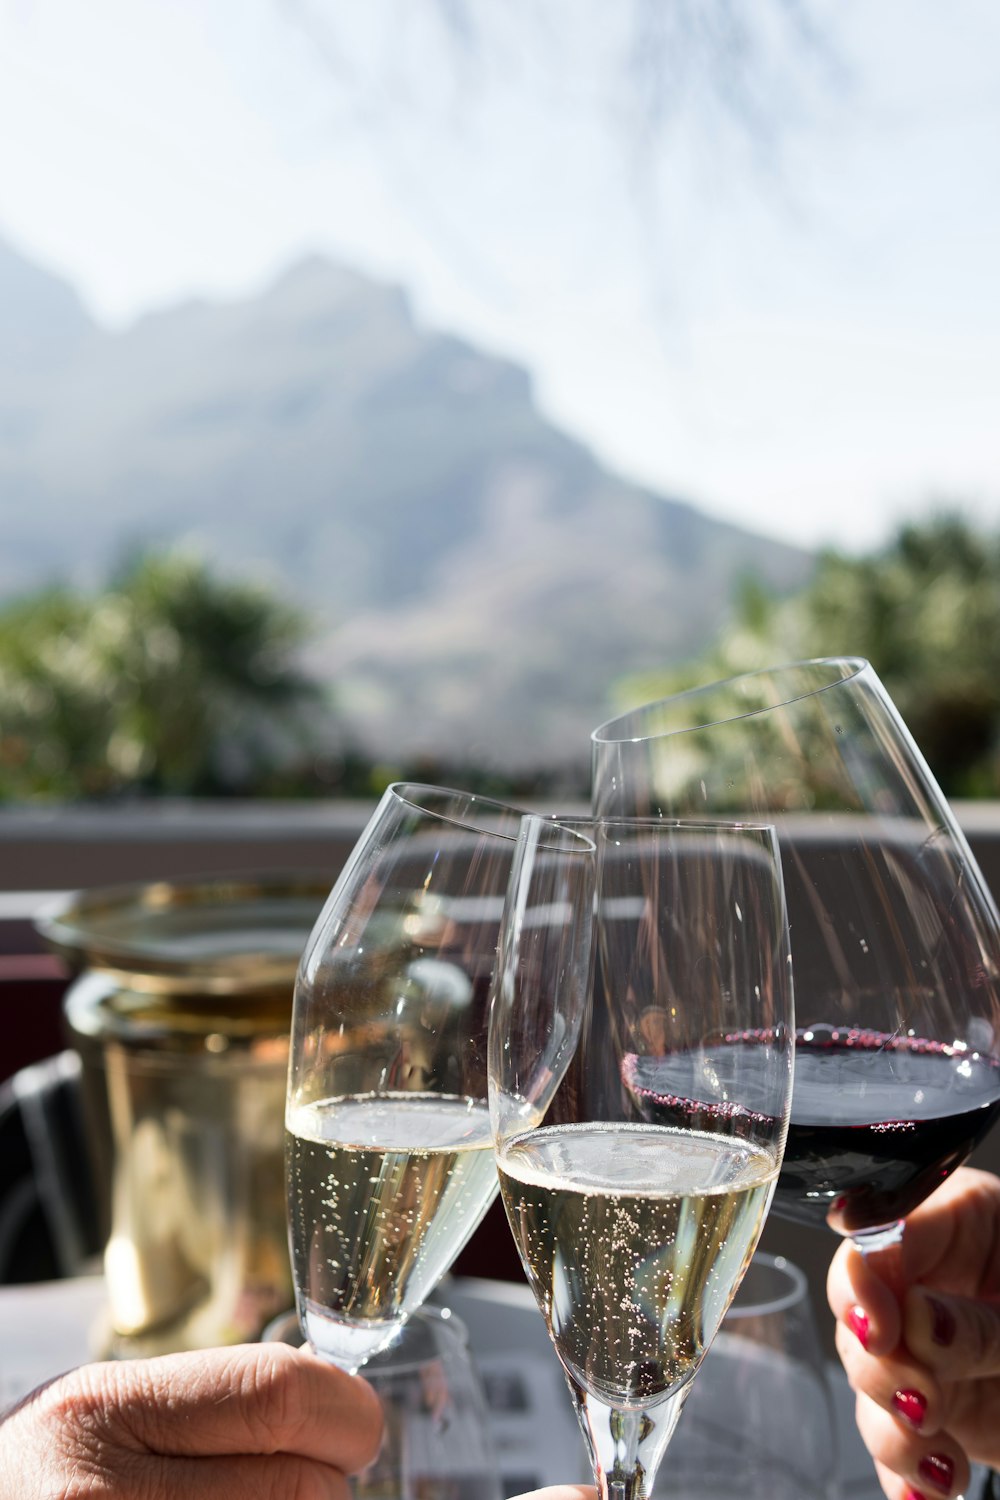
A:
x: 925, y: 611
x: 170, y: 681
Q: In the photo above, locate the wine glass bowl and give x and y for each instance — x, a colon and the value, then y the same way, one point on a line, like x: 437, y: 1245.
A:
x: 649, y: 974
x: 762, y: 1404
x: 388, y: 1147
x: 894, y: 933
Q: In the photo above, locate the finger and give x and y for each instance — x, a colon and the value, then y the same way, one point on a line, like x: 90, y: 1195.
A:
x: 862, y: 1299
x: 901, y: 1387
x: 958, y: 1337
x: 254, y: 1398
x: 893, y: 1485
x: 932, y: 1466
x: 953, y: 1238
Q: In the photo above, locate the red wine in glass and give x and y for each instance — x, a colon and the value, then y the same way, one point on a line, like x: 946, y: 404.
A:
x: 895, y: 936
x: 877, y: 1122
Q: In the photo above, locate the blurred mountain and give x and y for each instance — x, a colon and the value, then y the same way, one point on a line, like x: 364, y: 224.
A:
x: 41, y: 317
x: 478, y: 578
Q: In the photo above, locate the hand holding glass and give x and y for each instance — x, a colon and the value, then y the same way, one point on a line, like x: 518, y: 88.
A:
x: 647, y: 971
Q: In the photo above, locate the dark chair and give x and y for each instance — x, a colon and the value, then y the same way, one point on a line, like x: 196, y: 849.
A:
x: 48, y: 1218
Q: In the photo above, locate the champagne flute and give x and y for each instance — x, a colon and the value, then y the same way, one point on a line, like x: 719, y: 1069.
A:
x: 652, y: 945
x: 388, y: 1148
x: 895, y: 936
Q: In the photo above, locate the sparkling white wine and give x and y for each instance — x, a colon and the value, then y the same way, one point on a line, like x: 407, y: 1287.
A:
x: 634, y: 1238
x: 384, y: 1190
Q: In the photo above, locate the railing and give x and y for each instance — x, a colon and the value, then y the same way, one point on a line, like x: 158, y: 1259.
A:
x: 49, y: 849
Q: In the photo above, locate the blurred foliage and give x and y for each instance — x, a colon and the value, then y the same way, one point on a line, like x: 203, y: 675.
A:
x: 925, y: 611
x: 170, y: 681
x: 173, y: 681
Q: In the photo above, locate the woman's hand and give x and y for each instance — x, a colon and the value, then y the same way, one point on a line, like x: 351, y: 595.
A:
x: 918, y: 1331
x: 256, y: 1422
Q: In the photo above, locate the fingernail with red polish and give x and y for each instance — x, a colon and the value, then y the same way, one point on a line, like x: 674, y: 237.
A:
x: 942, y: 1322
x: 914, y: 1495
x: 911, y: 1406
x: 938, y: 1471
x: 857, y: 1322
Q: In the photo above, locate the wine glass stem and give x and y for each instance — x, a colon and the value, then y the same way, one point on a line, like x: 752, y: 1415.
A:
x: 622, y: 1489
x: 627, y: 1445
x: 627, y: 1477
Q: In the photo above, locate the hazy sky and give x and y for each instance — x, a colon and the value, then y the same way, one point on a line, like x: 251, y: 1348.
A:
x: 795, y: 325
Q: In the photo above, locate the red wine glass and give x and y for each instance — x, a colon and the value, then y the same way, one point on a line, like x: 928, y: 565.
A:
x: 895, y: 936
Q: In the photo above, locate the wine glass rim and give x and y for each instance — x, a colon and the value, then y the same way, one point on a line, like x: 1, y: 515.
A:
x: 683, y: 825
x: 784, y: 1300
x: 613, y: 731
x: 423, y: 796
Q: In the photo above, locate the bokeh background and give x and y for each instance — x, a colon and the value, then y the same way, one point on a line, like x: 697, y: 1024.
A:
x: 404, y: 388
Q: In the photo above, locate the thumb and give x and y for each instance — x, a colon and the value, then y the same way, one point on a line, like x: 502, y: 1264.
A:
x: 957, y: 1337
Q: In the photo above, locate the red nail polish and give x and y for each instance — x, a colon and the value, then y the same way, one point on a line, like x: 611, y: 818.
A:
x: 914, y: 1495
x: 911, y: 1406
x: 942, y: 1322
x: 938, y: 1470
x: 857, y: 1322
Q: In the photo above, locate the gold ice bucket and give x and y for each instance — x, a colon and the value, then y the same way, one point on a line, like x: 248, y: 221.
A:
x: 180, y: 1013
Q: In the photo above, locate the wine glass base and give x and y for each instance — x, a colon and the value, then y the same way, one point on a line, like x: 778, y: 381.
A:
x: 880, y: 1238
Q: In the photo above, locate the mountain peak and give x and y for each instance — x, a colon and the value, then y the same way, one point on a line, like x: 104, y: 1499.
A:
x: 317, y: 277
x: 477, y: 578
